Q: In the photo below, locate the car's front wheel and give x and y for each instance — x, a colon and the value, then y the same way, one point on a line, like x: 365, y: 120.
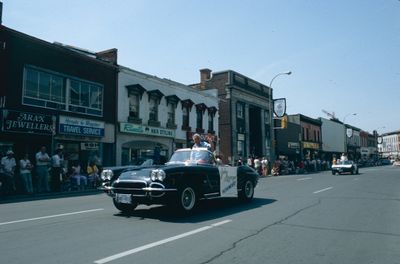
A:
x: 247, y: 191
x: 125, y: 208
x: 187, y: 199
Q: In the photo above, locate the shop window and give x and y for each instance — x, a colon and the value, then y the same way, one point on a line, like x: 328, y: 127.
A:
x: 266, y: 117
x: 240, y: 148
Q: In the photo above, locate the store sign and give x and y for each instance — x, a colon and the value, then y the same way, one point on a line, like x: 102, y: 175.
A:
x: 23, y: 122
x: 89, y: 146
x: 241, y: 137
x: 310, y: 145
x: 80, y: 127
x: 294, y: 145
x: 146, y: 130
x: 280, y: 107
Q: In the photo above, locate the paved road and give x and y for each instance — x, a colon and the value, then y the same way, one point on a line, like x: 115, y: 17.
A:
x: 315, y: 218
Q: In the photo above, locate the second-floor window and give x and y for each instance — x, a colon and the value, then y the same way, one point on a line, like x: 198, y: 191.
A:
x: 134, y: 105
x: 153, y: 109
x: 210, y: 122
x: 199, y: 119
x: 52, y: 90
x: 185, y: 116
x: 171, y: 114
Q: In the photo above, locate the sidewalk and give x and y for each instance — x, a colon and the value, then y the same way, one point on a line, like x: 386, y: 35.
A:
x: 50, y: 195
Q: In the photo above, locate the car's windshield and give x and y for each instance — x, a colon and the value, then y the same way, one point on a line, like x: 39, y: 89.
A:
x: 196, y: 156
x: 344, y: 162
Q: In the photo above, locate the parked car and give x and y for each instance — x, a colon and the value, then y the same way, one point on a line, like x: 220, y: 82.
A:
x: 345, y: 166
x: 384, y: 162
x: 189, y: 176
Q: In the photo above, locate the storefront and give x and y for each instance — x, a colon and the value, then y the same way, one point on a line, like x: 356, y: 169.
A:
x: 310, y: 150
x: 84, y: 140
x: 25, y: 132
x: 137, y: 143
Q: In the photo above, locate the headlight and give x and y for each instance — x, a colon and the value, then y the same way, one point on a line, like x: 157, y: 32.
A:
x: 157, y: 175
x: 106, y: 175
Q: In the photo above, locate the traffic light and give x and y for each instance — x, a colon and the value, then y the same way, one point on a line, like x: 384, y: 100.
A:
x: 284, y: 122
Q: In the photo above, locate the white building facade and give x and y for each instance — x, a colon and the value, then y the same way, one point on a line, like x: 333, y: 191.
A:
x: 157, y: 116
x: 333, y: 137
x: 389, y: 145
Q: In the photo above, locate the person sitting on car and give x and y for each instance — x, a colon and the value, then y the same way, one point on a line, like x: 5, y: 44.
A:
x: 202, y: 144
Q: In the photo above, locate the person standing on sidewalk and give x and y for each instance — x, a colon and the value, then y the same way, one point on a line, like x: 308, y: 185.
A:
x: 42, y: 162
x: 25, y: 168
x: 7, y: 169
x: 57, y: 162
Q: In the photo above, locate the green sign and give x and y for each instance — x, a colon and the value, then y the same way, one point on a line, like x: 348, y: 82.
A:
x: 146, y: 130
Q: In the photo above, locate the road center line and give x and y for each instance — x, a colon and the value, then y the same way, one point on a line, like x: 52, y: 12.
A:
x: 158, y: 243
x: 50, y: 216
x: 304, y: 179
x: 323, y: 190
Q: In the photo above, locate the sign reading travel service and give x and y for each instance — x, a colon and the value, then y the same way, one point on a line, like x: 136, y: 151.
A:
x: 146, y: 130
x: 80, y: 127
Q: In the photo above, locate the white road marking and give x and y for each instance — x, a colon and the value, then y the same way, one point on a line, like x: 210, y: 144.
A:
x: 50, y: 216
x: 323, y: 190
x: 158, y: 243
x: 304, y: 179
x: 356, y: 179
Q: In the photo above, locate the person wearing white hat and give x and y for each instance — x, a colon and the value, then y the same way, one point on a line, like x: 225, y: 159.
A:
x: 7, y: 169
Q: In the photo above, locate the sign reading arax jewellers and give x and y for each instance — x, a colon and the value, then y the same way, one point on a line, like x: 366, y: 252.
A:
x: 23, y: 122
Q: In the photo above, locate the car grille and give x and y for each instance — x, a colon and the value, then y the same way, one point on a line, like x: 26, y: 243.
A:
x: 131, y: 187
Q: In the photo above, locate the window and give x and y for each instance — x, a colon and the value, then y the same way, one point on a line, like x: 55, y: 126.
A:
x: 171, y: 113
x: 85, y: 97
x: 172, y: 102
x: 210, y: 122
x: 52, y: 90
x: 240, y: 148
x: 266, y: 117
x: 185, y: 117
x: 239, y: 110
x: 153, y: 109
x: 134, y: 105
x: 44, y: 89
x: 199, y: 119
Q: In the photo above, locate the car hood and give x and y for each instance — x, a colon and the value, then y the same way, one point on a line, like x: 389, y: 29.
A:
x: 342, y: 166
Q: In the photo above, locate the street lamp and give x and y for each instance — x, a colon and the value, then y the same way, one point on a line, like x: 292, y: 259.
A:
x: 344, y: 118
x: 282, y: 73
x: 272, y: 133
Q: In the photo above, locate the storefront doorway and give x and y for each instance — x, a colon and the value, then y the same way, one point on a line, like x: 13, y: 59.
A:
x: 136, y: 152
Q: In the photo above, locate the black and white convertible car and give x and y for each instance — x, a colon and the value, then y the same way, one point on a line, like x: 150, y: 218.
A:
x: 345, y: 166
x: 189, y: 176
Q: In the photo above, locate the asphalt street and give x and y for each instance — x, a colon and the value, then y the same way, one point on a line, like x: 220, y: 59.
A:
x: 309, y: 218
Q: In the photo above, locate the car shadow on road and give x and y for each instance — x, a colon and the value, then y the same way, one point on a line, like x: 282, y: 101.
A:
x: 205, y: 211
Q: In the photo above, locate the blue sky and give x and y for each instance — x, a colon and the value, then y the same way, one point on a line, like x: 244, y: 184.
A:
x: 344, y: 55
